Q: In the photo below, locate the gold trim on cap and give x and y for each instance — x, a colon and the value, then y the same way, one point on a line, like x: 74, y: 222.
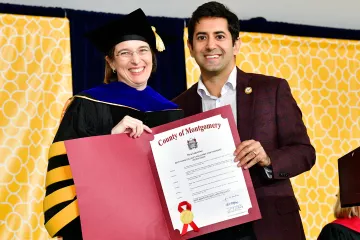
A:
x: 160, y: 46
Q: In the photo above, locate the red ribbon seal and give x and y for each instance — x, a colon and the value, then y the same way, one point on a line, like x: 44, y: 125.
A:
x: 187, y: 217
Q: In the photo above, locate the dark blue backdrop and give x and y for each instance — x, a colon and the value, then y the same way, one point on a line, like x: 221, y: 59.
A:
x: 170, y: 79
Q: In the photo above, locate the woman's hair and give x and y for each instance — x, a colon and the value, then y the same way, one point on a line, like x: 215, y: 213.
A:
x: 111, y: 76
x: 346, y: 212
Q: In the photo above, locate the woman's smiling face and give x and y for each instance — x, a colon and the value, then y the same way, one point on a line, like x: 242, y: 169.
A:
x: 133, y: 63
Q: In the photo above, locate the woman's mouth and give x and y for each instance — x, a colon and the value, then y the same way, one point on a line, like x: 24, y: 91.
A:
x: 136, y: 70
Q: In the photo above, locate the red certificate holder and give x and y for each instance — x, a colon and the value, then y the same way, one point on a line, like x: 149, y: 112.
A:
x: 119, y: 190
x: 254, y: 212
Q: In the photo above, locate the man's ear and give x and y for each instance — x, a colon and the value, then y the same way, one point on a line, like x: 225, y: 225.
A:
x: 190, y: 48
x: 236, y: 48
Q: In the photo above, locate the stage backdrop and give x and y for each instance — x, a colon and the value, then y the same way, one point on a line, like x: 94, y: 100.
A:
x: 324, y: 75
x: 35, y: 82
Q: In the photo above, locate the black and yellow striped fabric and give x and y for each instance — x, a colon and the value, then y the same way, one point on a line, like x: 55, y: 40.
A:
x: 60, y: 203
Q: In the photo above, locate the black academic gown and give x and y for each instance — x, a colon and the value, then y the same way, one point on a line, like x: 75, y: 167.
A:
x: 88, y: 116
x: 347, y: 230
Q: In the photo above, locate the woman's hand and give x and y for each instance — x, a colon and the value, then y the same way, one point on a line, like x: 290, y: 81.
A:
x: 130, y: 125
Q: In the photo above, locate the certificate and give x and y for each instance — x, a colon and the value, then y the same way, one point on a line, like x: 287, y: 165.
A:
x: 195, y: 163
x: 163, y: 185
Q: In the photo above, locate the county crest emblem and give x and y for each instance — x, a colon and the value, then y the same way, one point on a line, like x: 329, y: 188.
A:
x: 192, y: 143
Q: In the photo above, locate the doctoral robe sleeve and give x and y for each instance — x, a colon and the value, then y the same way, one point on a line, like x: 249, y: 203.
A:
x: 60, y: 203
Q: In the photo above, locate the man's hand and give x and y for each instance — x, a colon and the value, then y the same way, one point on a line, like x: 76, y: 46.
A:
x: 250, y: 152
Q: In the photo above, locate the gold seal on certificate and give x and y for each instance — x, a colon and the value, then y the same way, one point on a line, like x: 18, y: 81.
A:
x: 186, y: 217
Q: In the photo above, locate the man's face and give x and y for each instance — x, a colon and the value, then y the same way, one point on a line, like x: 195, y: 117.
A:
x: 212, y: 47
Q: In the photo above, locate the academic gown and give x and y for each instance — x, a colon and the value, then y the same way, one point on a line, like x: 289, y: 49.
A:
x: 341, y: 229
x: 91, y: 113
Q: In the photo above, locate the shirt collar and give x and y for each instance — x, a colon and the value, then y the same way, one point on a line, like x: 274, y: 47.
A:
x: 231, y: 83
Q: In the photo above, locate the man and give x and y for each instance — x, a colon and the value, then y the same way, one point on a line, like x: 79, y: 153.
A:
x: 275, y: 145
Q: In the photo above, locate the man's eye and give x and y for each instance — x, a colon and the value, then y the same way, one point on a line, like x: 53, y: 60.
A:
x: 220, y: 37
x: 201, y: 37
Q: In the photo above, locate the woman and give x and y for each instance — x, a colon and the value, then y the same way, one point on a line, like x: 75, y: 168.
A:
x: 124, y: 104
x: 345, y: 227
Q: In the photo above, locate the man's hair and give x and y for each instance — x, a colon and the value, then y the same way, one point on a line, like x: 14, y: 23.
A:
x: 214, y: 10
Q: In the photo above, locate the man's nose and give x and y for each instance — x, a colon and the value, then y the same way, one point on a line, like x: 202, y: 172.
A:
x: 211, y: 43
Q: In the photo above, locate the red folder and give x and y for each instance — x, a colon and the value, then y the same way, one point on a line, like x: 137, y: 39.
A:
x: 119, y: 190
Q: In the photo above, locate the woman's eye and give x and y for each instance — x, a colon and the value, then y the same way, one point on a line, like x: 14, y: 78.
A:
x: 125, y: 53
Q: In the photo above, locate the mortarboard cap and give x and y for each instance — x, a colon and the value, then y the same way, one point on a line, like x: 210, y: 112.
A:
x: 133, y: 26
x: 349, y: 166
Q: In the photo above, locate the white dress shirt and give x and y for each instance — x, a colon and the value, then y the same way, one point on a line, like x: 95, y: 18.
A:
x: 227, y: 97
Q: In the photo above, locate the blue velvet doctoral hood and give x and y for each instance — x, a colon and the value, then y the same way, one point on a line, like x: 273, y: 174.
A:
x: 147, y: 100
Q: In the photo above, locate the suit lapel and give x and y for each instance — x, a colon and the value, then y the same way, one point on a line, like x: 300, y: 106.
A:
x: 194, y: 103
x: 244, y: 105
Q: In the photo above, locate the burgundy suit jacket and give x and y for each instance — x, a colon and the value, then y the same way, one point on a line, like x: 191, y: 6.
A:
x: 271, y: 116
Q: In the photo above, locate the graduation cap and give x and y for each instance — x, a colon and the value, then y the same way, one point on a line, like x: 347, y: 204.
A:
x: 133, y: 26
x: 349, y: 183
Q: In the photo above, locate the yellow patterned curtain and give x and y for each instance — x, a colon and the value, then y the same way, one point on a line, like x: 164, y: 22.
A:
x: 324, y: 75
x: 35, y: 82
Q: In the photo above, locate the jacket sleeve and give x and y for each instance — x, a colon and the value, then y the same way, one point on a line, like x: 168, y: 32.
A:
x: 295, y: 154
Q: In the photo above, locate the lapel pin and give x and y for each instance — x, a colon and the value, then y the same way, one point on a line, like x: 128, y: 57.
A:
x: 248, y: 90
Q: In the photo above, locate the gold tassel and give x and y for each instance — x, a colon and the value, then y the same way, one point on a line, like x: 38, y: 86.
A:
x: 159, y: 43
